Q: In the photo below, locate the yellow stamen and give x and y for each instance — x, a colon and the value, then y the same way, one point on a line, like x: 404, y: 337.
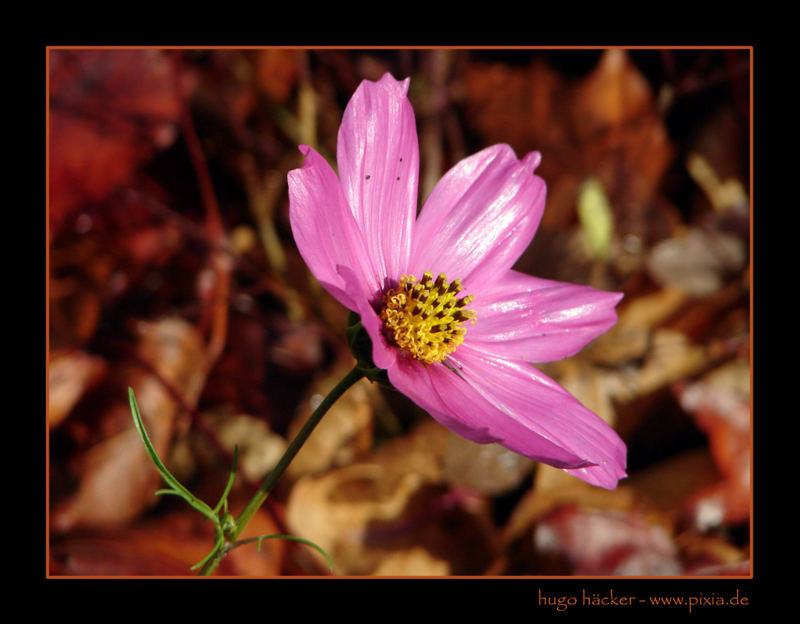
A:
x: 425, y: 318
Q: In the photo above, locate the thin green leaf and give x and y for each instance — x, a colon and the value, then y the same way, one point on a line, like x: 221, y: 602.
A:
x: 165, y: 492
x: 293, y: 538
x: 217, y: 545
x: 165, y: 474
x: 224, y: 498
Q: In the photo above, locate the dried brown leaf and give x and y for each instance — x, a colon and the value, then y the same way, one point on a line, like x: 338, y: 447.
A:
x: 696, y: 261
x: 110, y: 110
x: 167, y: 545
x: 605, y: 125
x: 604, y: 542
x: 117, y: 478
x: 373, y: 517
x: 71, y: 374
x: 343, y: 436
x: 578, y: 529
x: 259, y: 448
x: 720, y: 405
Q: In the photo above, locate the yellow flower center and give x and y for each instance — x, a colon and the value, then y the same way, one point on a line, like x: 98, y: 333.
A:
x: 426, y: 318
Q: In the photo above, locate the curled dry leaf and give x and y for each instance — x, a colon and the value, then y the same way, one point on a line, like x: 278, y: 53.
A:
x: 373, y: 518
x: 671, y: 357
x: 584, y: 531
x: 117, y: 478
x: 629, y: 339
x: 259, y: 448
x: 698, y: 261
x: 488, y: 469
x: 335, y: 511
x: 603, y: 542
x: 71, y: 374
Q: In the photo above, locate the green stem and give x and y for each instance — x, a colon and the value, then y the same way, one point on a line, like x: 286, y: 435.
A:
x: 294, y: 446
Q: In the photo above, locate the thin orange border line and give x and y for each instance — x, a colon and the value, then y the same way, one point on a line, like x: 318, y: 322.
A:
x: 385, y: 47
x: 47, y: 308
x: 49, y: 48
x: 751, y: 285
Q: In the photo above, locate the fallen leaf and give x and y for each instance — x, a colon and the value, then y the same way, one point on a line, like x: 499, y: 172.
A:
x: 116, y: 477
x: 259, y: 448
x: 71, y: 374
x: 167, y: 545
x: 412, y: 562
x: 698, y: 262
x: 629, y: 339
x: 366, y: 515
x: 343, y: 436
x: 110, y: 110
x: 607, y: 543
x: 709, y: 555
x: 488, y: 469
x: 668, y: 483
x: 581, y: 530
x: 720, y: 405
x: 605, y: 125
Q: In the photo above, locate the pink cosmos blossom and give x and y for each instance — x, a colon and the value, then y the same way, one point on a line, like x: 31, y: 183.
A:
x: 452, y: 324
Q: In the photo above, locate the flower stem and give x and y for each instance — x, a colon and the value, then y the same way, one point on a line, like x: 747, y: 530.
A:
x: 272, y: 478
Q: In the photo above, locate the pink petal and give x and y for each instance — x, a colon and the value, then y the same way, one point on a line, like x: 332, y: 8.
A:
x: 480, y: 217
x: 523, y: 317
x: 326, y: 232
x: 440, y: 392
x: 491, y: 399
x: 383, y: 355
x: 378, y: 156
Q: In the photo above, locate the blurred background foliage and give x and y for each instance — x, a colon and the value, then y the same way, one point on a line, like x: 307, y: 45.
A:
x: 172, y: 269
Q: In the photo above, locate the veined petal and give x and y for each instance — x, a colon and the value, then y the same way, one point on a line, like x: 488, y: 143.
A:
x: 430, y: 387
x: 522, y: 317
x: 326, y: 232
x: 544, y: 409
x: 490, y: 399
x: 480, y: 217
x: 378, y: 157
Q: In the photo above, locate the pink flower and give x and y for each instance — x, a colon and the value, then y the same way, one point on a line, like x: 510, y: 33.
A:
x: 450, y: 322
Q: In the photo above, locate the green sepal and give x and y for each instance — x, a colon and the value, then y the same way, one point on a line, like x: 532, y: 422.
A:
x: 361, y: 347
